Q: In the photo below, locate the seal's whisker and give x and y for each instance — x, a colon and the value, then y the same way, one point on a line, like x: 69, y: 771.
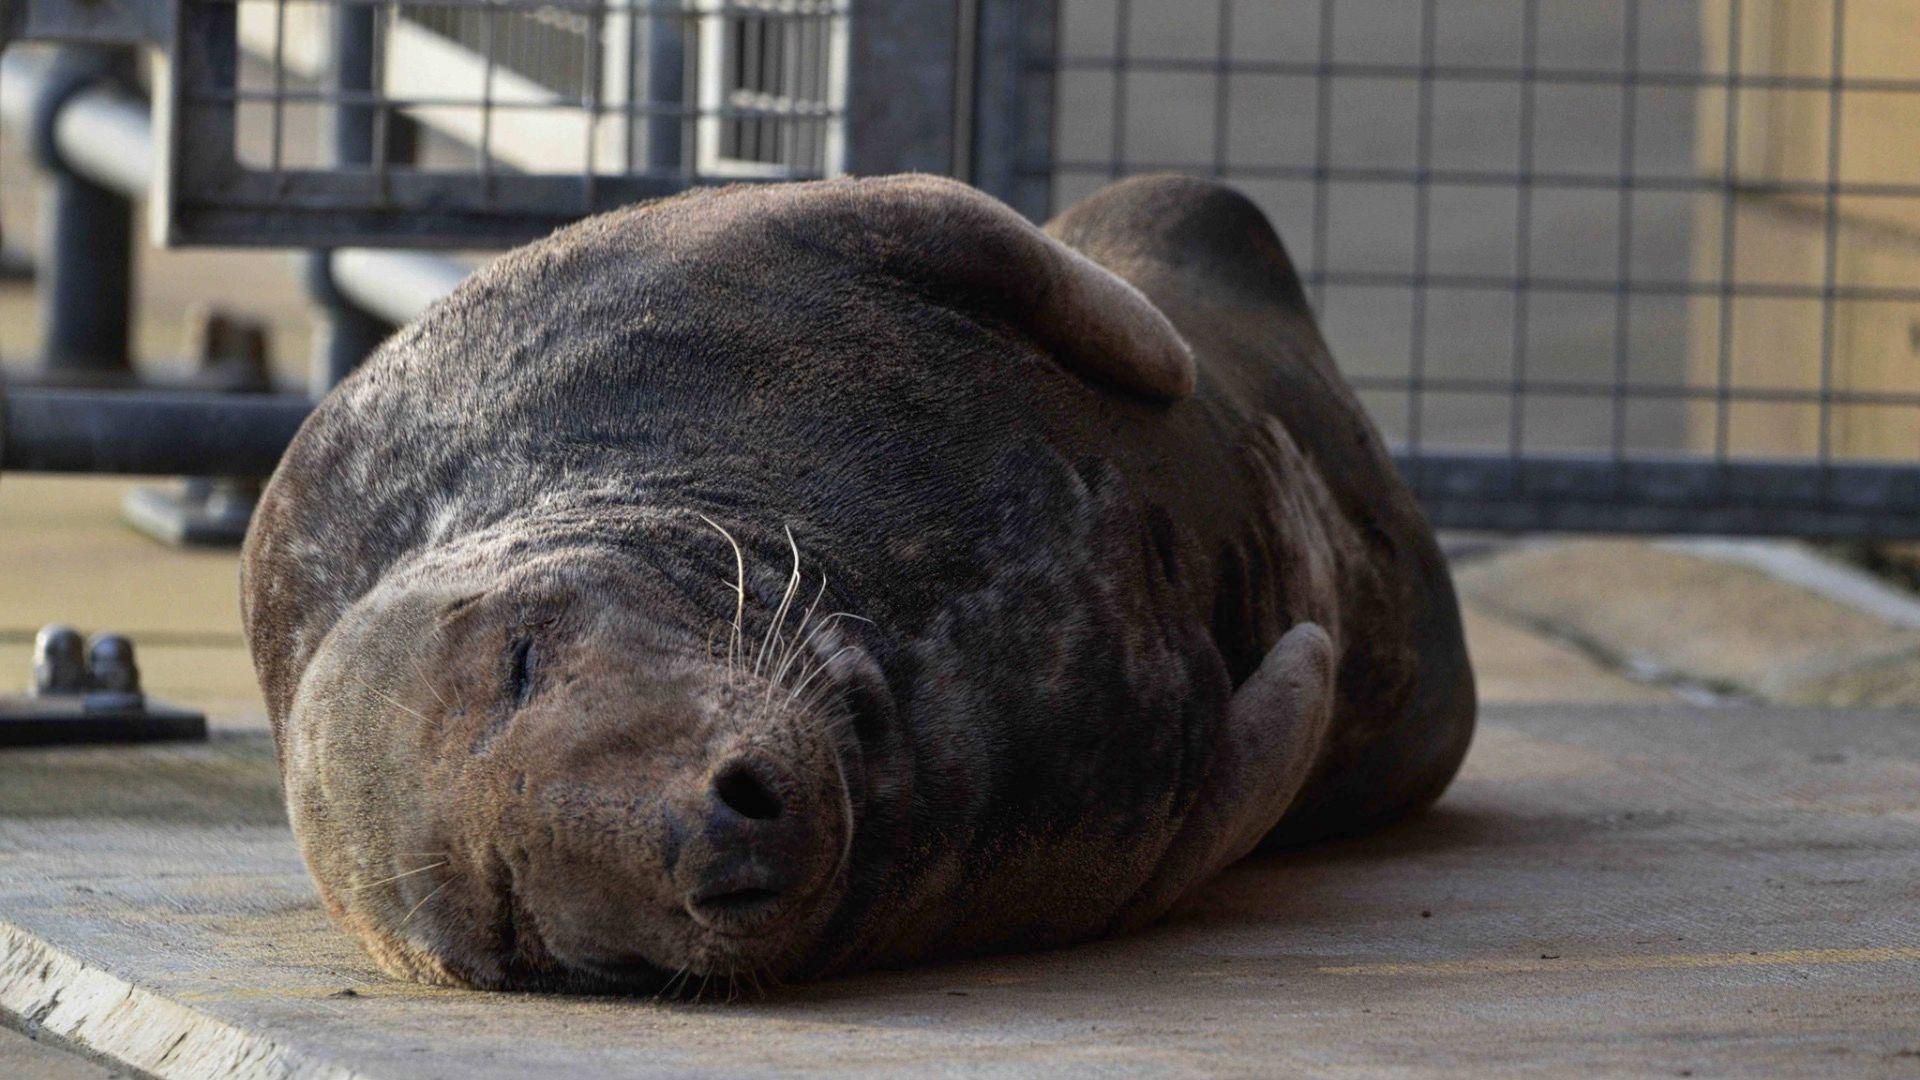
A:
x: 799, y: 632
x: 666, y: 988
x: 414, y: 662
x: 786, y: 603
x: 823, y: 665
x: 415, y: 909
x: 739, y: 588
x: 846, y: 814
x: 769, y: 978
x: 824, y: 620
x: 393, y: 701
x: 397, y: 877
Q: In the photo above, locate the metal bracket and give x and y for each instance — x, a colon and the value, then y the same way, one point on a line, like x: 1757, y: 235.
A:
x: 210, y: 510
x: 89, y: 692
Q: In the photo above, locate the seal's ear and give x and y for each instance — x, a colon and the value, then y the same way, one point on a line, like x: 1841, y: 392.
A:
x: 951, y: 239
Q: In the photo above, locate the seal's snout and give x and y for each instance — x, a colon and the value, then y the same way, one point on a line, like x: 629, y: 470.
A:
x: 719, y: 857
x: 759, y: 851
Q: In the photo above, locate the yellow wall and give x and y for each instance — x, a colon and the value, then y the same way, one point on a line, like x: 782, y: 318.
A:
x: 1780, y: 236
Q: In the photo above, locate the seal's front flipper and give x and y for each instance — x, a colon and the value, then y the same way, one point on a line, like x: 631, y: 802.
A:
x: 1261, y: 755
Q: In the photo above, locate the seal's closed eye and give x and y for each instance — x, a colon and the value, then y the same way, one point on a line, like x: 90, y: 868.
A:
x: 520, y: 669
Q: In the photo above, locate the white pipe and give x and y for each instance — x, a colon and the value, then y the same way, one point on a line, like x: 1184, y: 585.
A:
x: 395, y: 285
x: 106, y: 136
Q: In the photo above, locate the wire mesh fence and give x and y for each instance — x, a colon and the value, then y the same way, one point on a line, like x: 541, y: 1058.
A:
x: 1653, y: 228
x: 1652, y: 264
x: 474, y: 121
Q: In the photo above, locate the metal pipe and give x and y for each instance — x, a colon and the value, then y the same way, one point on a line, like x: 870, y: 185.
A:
x: 146, y: 432
x: 23, y: 70
x: 1497, y: 492
x: 395, y: 285
x: 85, y: 284
x: 666, y: 81
x: 343, y: 332
x: 101, y: 131
x: 106, y: 135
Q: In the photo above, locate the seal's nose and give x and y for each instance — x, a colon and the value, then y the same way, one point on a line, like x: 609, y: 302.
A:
x: 756, y: 854
x: 739, y: 788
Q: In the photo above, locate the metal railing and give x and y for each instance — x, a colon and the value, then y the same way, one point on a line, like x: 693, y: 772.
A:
x: 467, y: 123
x: 306, y: 123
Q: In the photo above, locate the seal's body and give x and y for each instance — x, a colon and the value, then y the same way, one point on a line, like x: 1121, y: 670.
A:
x: 784, y: 580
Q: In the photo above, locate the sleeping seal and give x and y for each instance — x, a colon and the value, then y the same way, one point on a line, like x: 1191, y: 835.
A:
x: 774, y: 581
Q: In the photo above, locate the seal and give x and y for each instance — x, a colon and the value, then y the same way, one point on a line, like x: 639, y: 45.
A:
x: 774, y: 581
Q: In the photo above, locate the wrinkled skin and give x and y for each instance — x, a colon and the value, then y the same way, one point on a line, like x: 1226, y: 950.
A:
x: 543, y: 724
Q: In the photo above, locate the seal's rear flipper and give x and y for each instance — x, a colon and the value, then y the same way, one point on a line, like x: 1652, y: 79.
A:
x: 1261, y: 754
x: 1189, y: 225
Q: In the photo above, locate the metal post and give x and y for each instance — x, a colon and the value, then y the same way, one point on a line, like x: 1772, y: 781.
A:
x: 1007, y: 119
x: 86, y: 240
x: 900, y: 87
x: 666, y: 88
x: 345, y: 334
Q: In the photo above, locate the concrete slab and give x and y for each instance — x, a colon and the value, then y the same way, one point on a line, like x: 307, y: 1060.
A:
x: 1513, y: 663
x: 90, y: 570
x: 1618, y: 889
x: 1725, y: 624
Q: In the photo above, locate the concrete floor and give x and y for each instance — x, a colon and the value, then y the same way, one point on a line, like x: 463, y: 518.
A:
x: 1618, y: 890
x: 1618, y: 884
x: 22, y: 1058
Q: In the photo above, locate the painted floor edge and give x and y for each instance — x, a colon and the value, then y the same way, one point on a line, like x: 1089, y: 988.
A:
x: 45, y: 991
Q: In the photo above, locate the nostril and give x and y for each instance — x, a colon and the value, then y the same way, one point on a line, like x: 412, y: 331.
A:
x: 745, y: 793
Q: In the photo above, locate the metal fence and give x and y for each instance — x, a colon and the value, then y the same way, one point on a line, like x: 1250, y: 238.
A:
x: 1651, y: 265
x: 464, y: 123
x: 1648, y: 264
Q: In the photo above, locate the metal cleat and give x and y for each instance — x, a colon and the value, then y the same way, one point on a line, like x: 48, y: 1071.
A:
x: 89, y: 692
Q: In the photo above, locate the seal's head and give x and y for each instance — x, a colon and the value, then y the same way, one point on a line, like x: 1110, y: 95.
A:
x: 538, y: 776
